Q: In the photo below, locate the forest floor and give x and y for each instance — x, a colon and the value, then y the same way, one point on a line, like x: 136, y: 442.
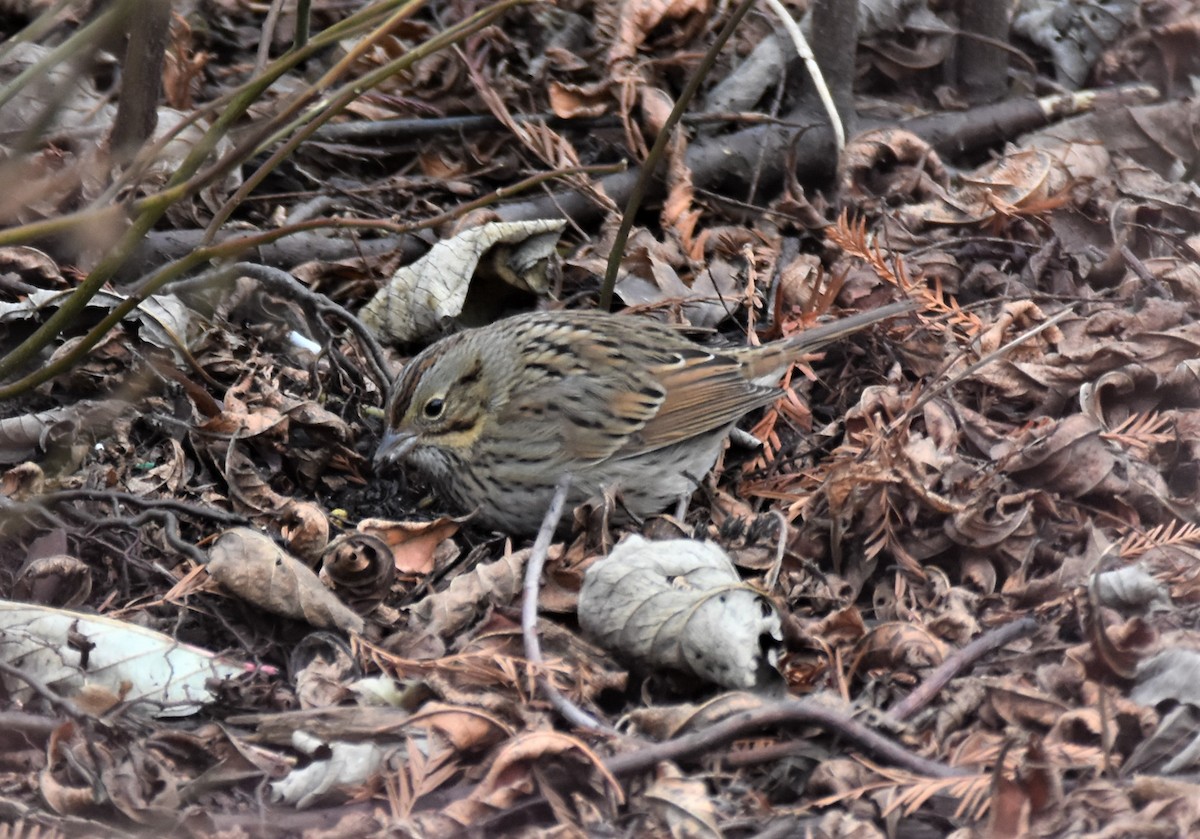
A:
x: 967, y: 550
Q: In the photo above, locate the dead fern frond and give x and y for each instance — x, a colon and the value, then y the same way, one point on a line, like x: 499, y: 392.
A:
x: 1142, y: 431
x: 971, y: 792
x: 852, y: 237
x: 1168, y: 534
x: 912, y: 791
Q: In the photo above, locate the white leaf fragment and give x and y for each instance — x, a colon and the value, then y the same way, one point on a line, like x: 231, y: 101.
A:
x: 421, y: 298
x: 348, y: 765
x: 680, y: 604
x: 68, y: 651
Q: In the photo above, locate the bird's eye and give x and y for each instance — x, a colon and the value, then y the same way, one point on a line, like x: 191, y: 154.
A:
x: 434, y: 407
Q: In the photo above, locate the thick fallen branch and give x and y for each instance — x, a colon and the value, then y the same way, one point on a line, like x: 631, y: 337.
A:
x: 803, y: 137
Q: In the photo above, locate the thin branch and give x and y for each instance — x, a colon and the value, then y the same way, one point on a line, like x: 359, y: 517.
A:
x: 533, y: 576
x: 55, y: 699
x: 814, y: 70
x: 791, y: 711
x: 960, y: 661
x: 642, y: 187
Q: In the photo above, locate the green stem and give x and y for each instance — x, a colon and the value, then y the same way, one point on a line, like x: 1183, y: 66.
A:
x: 303, y: 23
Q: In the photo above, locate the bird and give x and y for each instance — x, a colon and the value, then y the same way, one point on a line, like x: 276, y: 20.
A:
x: 493, y: 416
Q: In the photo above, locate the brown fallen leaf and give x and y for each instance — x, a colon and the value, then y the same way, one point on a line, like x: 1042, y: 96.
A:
x: 254, y: 568
x: 416, y: 546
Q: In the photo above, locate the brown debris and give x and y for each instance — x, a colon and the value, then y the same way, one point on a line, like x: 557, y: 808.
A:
x: 967, y: 548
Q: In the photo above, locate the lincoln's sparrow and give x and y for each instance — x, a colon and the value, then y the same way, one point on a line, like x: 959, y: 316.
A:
x: 494, y: 416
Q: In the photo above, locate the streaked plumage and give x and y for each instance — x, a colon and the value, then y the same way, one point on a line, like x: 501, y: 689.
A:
x: 493, y: 416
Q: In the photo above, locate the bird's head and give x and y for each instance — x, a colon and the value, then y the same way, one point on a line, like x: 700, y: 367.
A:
x: 438, y: 406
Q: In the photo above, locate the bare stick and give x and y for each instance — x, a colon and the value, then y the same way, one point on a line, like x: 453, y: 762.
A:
x: 814, y: 70
x: 960, y: 661
x: 533, y: 577
x: 773, y: 713
x: 780, y: 551
x: 56, y: 700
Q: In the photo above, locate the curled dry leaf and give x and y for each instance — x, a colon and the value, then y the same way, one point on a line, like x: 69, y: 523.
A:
x: 71, y: 795
x: 1023, y: 182
x: 995, y: 521
x: 169, y: 476
x: 1013, y: 318
x: 683, y: 804
x: 78, y: 109
x: 1021, y: 706
x: 60, y: 580
x: 1075, y: 36
x: 1173, y: 747
x: 1173, y: 674
x: 421, y: 298
x: 22, y: 482
x: 680, y: 604
x: 890, y: 162
x: 322, y: 664
x: 899, y: 647
x: 465, y: 728
x: 649, y: 279
x: 360, y: 568
x: 163, y: 319
x: 305, y: 528
x: 345, y: 766
x: 35, y: 267
x: 1071, y: 457
x: 1149, y: 346
x: 512, y: 774
x: 640, y: 18
x: 152, y: 672
x: 248, y: 488
x: 663, y: 722
x: 415, y: 546
x: 574, y: 101
x: 25, y: 436
x: 446, y: 613
x: 1131, y: 588
x: 1079, y: 731
x: 258, y: 571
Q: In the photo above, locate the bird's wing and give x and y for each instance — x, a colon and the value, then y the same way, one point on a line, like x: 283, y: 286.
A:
x: 704, y: 392
x: 622, y: 392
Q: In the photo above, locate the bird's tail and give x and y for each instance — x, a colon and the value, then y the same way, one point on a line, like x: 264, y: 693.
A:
x: 772, y: 363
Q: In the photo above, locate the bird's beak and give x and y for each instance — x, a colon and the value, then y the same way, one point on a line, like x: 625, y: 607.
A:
x: 393, y: 448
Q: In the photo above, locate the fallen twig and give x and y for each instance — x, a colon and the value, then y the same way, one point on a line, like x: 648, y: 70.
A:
x: 533, y: 576
x: 958, y: 662
x: 774, y: 713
